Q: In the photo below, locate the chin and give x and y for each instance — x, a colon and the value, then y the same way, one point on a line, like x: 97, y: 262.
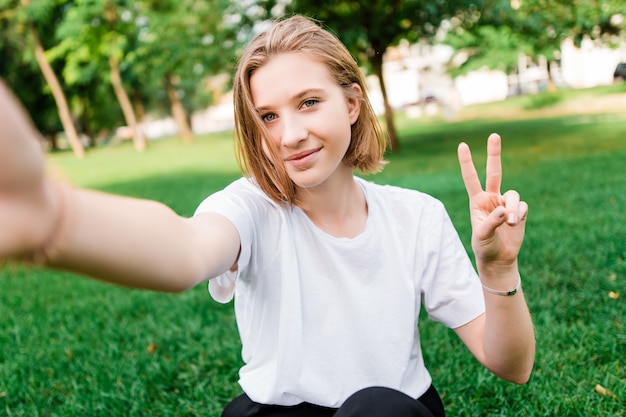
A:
x: 303, y: 178
x: 305, y: 185
x: 306, y: 182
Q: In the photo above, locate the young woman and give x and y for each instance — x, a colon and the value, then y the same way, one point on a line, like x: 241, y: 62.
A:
x: 328, y: 271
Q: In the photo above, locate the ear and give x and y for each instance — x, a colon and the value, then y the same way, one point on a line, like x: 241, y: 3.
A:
x: 355, y: 98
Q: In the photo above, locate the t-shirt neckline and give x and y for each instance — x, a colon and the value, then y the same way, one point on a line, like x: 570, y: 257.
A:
x: 370, y: 211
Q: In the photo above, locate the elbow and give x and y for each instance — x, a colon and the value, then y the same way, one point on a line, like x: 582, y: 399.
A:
x: 520, y: 378
x: 519, y: 375
x: 519, y: 367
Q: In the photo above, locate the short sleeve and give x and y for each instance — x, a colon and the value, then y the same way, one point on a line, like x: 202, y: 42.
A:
x: 230, y: 203
x: 222, y: 287
x: 451, y: 291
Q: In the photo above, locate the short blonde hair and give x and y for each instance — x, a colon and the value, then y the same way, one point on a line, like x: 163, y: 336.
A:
x: 300, y: 34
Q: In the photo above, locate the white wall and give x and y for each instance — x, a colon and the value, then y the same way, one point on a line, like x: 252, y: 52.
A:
x: 589, y: 65
x: 482, y: 87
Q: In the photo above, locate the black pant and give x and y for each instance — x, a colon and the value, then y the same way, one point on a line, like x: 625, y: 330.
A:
x: 368, y: 402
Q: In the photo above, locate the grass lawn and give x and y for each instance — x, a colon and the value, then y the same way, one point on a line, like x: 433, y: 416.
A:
x: 75, y: 347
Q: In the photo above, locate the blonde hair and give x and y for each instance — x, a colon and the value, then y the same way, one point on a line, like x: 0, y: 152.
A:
x: 299, y: 34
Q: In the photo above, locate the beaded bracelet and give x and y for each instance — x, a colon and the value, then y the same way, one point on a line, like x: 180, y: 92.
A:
x: 508, y: 293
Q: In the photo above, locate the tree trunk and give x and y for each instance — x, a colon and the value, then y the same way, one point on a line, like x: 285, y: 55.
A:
x: 51, y: 137
x: 377, y: 64
x: 139, y: 139
x: 178, y: 111
x: 57, y: 93
x: 140, y: 110
x: 84, y: 125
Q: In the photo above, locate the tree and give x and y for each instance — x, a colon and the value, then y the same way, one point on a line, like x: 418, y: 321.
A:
x: 93, y: 38
x: 25, y: 78
x: 29, y: 18
x: 180, y: 43
x: 534, y: 27
x: 368, y: 28
x: 114, y: 49
x: 550, y: 22
x: 155, y: 51
x: 156, y: 54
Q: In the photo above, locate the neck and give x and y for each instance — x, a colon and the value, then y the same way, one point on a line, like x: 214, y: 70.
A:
x: 338, y: 207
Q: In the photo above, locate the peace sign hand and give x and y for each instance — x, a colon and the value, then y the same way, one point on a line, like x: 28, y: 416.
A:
x: 498, y: 220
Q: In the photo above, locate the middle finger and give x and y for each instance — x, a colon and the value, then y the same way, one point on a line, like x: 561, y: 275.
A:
x: 494, y: 164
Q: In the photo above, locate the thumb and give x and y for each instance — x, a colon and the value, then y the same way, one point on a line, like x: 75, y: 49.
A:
x: 487, y: 228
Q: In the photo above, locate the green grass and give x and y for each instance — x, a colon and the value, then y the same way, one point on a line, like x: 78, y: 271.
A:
x: 72, y: 346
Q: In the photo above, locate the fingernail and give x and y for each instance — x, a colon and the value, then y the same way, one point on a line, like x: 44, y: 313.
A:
x: 512, y: 218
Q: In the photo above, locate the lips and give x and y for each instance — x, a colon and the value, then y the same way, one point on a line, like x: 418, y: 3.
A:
x: 302, y: 159
x: 301, y: 155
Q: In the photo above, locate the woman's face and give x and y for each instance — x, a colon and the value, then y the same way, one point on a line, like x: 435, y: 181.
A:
x: 307, y: 115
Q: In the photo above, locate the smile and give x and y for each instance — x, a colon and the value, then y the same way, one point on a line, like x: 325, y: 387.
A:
x: 301, y: 155
x: 301, y: 159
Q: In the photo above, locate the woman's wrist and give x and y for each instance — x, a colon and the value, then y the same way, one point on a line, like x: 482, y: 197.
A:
x: 499, y: 278
x: 56, y: 194
x: 504, y: 292
x: 497, y: 270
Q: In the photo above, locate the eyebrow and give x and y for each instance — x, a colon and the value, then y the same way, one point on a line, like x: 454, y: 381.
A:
x: 297, y: 96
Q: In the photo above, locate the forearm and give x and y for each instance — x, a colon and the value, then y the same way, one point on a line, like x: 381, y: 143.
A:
x: 126, y: 241
x: 508, y: 340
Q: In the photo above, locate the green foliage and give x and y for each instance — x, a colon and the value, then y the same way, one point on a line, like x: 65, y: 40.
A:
x: 20, y: 70
x: 368, y: 28
x: 42, y: 11
x: 186, y: 39
x: 533, y: 27
x: 88, y: 34
x: 493, y: 47
x: 189, y: 40
x: 72, y: 346
x: 551, y: 22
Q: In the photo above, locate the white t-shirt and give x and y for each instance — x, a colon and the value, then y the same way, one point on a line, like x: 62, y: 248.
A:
x: 321, y: 317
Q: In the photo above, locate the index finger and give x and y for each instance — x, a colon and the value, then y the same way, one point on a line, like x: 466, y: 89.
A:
x: 468, y: 170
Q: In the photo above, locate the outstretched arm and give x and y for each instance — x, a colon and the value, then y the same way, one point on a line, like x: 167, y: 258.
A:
x: 503, y: 338
x: 126, y: 241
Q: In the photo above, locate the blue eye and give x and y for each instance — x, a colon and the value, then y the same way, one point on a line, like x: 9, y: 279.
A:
x: 268, y: 117
x: 309, y: 103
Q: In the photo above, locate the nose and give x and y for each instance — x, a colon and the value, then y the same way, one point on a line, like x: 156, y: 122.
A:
x: 294, y: 130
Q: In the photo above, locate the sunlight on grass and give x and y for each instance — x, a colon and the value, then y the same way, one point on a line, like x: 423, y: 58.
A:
x: 106, y: 165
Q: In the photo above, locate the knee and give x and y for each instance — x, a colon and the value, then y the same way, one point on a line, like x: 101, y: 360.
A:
x: 373, y: 402
x: 372, y: 395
